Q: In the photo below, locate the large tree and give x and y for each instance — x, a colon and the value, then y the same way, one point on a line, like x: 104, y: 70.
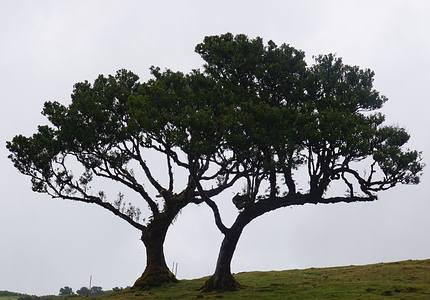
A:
x: 255, y: 115
x: 286, y: 121
x: 123, y: 131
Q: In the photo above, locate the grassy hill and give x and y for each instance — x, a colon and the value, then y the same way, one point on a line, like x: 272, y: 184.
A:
x: 6, y: 295
x: 407, y: 280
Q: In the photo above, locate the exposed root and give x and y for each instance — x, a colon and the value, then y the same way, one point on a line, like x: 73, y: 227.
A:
x: 221, y: 283
x: 153, y: 278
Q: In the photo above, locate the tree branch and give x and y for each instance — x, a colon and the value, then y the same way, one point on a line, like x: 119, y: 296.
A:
x: 131, y: 182
x: 213, y: 206
x: 268, y: 204
x: 170, y: 172
x: 148, y: 174
x: 89, y: 199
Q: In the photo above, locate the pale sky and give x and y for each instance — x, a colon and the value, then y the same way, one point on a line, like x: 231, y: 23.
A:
x: 47, y: 46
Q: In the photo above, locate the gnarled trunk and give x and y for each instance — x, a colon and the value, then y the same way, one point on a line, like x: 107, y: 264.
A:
x: 156, y: 272
x: 222, y: 279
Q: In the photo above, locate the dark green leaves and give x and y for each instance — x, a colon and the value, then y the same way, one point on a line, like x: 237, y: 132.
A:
x: 255, y: 110
x: 396, y: 163
x: 331, y: 84
x: 250, y: 69
x: 178, y: 110
x: 322, y: 115
x: 36, y: 152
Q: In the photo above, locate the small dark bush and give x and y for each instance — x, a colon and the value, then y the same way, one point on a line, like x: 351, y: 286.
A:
x: 66, y: 291
x: 96, y: 290
x: 83, y: 291
x: 28, y: 297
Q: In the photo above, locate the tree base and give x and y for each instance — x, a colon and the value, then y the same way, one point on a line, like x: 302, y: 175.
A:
x: 221, y: 283
x: 154, y: 278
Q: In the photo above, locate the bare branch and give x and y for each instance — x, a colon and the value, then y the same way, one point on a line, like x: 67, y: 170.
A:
x: 88, y: 199
x: 170, y: 172
x: 148, y: 173
x: 217, y: 215
x: 286, y: 166
x: 265, y: 205
x: 214, y: 207
x: 121, y: 175
x: 219, y: 189
x: 349, y: 184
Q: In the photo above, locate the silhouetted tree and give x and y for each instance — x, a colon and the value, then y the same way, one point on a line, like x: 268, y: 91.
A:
x: 254, y: 115
x: 83, y: 291
x: 66, y: 291
x: 119, y: 129
x: 96, y: 290
x: 287, y: 119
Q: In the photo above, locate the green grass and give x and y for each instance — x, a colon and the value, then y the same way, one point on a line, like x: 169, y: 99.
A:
x: 401, y: 280
x: 6, y: 295
x: 409, y: 280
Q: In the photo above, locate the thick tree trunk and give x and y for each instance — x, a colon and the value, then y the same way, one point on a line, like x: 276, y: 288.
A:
x: 222, y: 279
x: 156, y: 272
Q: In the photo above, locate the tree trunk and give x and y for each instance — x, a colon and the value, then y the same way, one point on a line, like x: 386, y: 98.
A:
x: 222, y: 279
x: 156, y: 272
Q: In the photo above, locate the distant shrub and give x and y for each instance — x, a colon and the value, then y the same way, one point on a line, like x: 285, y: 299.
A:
x: 96, y: 290
x: 8, y: 294
x: 66, y: 291
x: 83, y: 291
x: 28, y: 297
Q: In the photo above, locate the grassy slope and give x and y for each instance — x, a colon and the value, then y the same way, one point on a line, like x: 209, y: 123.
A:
x: 6, y: 295
x: 407, y: 280
x: 400, y: 280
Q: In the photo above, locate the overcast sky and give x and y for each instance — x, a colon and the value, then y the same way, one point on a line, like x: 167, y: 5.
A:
x: 47, y: 46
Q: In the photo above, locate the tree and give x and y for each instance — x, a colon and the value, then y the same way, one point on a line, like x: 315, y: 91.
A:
x: 286, y: 120
x: 66, y: 291
x: 116, y: 129
x: 83, y: 291
x: 96, y: 290
x: 255, y: 115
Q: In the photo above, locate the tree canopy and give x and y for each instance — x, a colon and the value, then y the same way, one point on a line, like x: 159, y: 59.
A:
x: 66, y: 291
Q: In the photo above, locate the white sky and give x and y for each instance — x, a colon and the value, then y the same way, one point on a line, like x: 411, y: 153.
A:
x: 47, y: 46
